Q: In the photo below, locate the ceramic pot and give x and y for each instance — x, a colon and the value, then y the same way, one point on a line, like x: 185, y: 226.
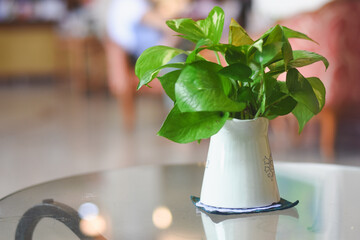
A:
x: 239, y: 170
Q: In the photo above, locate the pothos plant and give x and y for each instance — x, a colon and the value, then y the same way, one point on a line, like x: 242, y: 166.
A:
x: 206, y: 94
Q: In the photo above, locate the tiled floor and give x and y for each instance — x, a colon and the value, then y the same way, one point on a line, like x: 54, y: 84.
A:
x: 47, y: 132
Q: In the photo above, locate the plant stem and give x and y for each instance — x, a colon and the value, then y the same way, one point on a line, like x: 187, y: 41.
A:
x: 261, y: 96
x: 257, y: 114
x: 217, y: 57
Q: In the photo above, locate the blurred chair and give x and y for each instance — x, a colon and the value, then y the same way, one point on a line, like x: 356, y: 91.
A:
x: 336, y: 27
x: 86, y: 63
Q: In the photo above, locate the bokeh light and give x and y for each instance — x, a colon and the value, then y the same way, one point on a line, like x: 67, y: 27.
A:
x: 162, y: 217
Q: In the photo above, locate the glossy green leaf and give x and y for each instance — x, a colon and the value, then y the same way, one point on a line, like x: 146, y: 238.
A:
x: 237, y: 71
x: 319, y: 90
x: 213, y: 25
x: 206, y: 44
x: 187, y: 127
x: 289, y: 33
x: 270, y: 86
x: 168, y: 83
x: 188, y: 27
x: 210, y: 27
x: 287, y: 53
x: 202, y: 44
x: 257, y: 45
x: 199, y: 88
x: 237, y: 35
x: 235, y: 55
x: 245, y: 95
x: 151, y: 74
x: 280, y: 104
x: 301, y: 90
x: 302, y: 114
x: 274, y: 35
x: 153, y: 59
x: 269, y: 53
x: 301, y: 58
x: 282, y: 87
x: 274, y: 40
x: 227, y: 85
x: 304, y: 58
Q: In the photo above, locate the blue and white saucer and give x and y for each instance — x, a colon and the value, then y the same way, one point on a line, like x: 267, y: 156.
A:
x: 281, y: 205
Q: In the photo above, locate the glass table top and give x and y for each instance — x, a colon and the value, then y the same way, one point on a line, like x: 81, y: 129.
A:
x: 153, y: 202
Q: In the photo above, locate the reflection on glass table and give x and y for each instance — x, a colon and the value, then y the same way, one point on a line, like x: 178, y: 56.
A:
x: 153, y: 202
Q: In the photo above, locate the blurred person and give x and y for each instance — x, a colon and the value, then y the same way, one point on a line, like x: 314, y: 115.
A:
x: 132, y: 27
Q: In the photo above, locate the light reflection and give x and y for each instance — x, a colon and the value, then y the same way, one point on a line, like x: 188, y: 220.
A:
x: 91, y: 224
x: 162, y: 217
x: 93, y: 227
x: 88, y: 210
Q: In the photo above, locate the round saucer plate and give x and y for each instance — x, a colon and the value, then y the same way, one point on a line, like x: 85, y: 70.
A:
x: 281, y: 205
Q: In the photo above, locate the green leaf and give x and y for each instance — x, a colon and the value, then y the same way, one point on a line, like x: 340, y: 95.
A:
x: 193, y: 56
x: 199, y: 88
x: 282, y: 87
x: 257, y: 45
x: 277, y: 47
x: 213, y: 25
x: 187, y: 127
x: 237, y: 71
x: 319, y: 90
x: 287, y: 53
x: 289, y: 33
x: 280, y: 104
x: 304, y: 58
x: 301, y: 90
x: 269, y: 53
x: 275, y: 34
x: 227, y: 85
x: 302, y: 114
x: 168, y: 83
x: 210, y: 27
x: 245, y: 95
x: 235, y: 55
x: 188, y: 27
x: 270, y: 86
x: 220, y: 47
x: 237, y: 35
x: 203, y: 44
x: 301, y: 58
x: 153, y: 58
x: 151, y: 74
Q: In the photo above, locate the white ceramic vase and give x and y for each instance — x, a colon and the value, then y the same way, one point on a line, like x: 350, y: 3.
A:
x: 239, y: 171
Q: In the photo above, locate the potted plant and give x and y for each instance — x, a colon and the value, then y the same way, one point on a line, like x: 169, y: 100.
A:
x: 233, y: 103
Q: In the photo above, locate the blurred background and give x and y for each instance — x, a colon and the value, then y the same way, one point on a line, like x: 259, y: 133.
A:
x: 68, y: 103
